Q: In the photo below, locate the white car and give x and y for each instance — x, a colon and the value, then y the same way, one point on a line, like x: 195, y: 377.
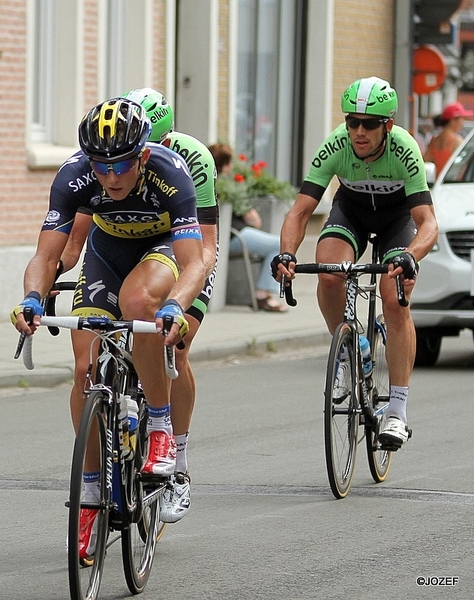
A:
x: 442, y: 303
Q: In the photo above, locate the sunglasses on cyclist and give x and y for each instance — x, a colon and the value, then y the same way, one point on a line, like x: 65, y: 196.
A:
x: 367, y: 124
x: 119, y: 168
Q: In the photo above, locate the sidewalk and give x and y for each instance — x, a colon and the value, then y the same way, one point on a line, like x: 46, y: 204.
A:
x: 234, y: 331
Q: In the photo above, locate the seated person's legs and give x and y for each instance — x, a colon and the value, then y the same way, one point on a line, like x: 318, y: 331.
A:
x: 265, y: 245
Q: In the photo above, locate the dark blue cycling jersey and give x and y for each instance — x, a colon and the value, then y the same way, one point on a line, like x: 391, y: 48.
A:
x: 163, y: 201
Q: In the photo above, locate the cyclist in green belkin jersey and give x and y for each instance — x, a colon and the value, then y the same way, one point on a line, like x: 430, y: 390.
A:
x: 383, y: 190
x: 177, y: 501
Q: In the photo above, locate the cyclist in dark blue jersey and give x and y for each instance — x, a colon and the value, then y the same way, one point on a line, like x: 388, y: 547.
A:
x: 382, y: 189
x: 177, y: 499
x: 144, y: 259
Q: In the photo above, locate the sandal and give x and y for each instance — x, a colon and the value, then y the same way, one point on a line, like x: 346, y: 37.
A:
x: 269, y: 304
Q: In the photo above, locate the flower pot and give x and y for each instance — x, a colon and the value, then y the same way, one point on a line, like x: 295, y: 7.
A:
x: 218, y: 299
x: 272, y: 211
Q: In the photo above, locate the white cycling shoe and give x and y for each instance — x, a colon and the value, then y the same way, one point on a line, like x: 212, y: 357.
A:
x: 394, y: 433
x: 341, y: 389
x: 176, y: 501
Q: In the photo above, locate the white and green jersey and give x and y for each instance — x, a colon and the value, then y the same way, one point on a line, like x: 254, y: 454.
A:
x: 203, y: 171
x: 396, y: 178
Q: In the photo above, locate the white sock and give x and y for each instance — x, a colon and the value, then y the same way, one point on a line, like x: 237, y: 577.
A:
x: 398, y: 403
x: 91, y: 487
x: 159, y: 419
x: 181, y: 453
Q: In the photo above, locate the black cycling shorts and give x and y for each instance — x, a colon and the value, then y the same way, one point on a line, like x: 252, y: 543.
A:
x: 395, y: 229
x: 199, y: 307
x: 107, y: 262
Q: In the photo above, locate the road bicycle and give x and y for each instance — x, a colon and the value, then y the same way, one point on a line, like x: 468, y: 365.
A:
x: 129, y: 501
x: 366, y: 395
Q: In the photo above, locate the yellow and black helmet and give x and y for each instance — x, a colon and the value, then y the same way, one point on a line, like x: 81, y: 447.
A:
x: 113, y: 130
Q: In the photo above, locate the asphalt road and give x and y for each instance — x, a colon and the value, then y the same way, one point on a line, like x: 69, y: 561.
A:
x: 264, y: 524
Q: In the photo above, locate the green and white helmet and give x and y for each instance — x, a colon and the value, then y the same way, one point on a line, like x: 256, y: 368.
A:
x: 370, y: 96
x: 157, y: 109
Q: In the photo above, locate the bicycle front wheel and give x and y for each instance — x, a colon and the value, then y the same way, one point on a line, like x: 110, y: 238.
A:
x: 85, y: 572
x: 341, y: 418
x: 379, y: 460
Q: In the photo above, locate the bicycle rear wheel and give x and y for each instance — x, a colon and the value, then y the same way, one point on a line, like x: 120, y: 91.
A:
x: 139, y: 541
x: 85, y: 574
x: 341, y: 418
x: 144, y: 529
x: 379, y: 460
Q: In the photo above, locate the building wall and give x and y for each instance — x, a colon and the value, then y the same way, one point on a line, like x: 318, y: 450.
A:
x: 24, y: 191
x: 363, y: 44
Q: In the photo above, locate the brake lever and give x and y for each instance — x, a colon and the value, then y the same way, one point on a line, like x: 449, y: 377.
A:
x: 169, y: 353
x: 401, y: 292
x: 286, y: 291
x: 28, y: 314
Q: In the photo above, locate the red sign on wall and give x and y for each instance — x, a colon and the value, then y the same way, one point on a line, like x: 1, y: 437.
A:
x: 429, y: 69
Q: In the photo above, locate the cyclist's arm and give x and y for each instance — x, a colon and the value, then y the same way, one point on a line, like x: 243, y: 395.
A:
x: 427, y: 231
x: 41, y: 270
x: 192, y: 274
x: 294, y: 228
x: 209, y: 243
x: 425, y: 238
x: 76, y: 240
x: 207, y: 217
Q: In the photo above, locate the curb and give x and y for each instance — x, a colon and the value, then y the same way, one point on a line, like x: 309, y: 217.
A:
x: 18, y: 376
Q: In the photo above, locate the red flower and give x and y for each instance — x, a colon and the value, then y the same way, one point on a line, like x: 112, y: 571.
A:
x: 239, y: 178
x: 242, y: 158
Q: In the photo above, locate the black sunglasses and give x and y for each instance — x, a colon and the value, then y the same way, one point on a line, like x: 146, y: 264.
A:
x: 368, y: 124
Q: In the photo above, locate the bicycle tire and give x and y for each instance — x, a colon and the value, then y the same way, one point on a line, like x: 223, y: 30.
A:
x: 85, y: 576
x: 144, y: 529
x: 379, y: 460
x: 139, y: 541
x: 341, y: 417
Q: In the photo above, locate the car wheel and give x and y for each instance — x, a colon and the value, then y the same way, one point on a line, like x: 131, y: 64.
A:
x: 427, y: 350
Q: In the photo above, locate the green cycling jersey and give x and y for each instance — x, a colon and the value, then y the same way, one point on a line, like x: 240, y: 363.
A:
x: 396, y: 177
x: 202, y: 168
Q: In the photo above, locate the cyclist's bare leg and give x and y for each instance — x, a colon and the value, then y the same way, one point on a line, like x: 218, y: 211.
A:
x: 331, y: 288
x: 142, y: 293
x: 183, y: 388
x: 81, y: 345
x: 401, y: 341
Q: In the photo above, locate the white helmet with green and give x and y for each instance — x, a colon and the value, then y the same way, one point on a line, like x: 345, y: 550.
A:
x: 370, y: 96
x: 157, y: 109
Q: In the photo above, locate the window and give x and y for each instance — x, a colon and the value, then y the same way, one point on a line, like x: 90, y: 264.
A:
x: 54, y: 81
x: 267, y: 72
x: 44, y: 67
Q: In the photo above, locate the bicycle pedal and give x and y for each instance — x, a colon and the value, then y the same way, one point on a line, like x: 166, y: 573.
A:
x: 156, y: 479
x: 390, y: 447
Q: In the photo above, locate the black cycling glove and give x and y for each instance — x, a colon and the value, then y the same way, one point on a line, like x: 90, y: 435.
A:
x: 285, y: 258
x: 407, y: 262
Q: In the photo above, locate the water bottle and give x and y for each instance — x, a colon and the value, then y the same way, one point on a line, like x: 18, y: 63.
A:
x: 132, y: 413
x: 366, y: 356
x: 128, y: 436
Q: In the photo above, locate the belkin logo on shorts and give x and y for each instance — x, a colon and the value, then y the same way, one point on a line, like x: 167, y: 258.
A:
x: 406, y: 157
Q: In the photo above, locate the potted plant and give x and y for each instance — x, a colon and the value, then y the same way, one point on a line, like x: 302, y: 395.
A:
x: 250, y: 185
